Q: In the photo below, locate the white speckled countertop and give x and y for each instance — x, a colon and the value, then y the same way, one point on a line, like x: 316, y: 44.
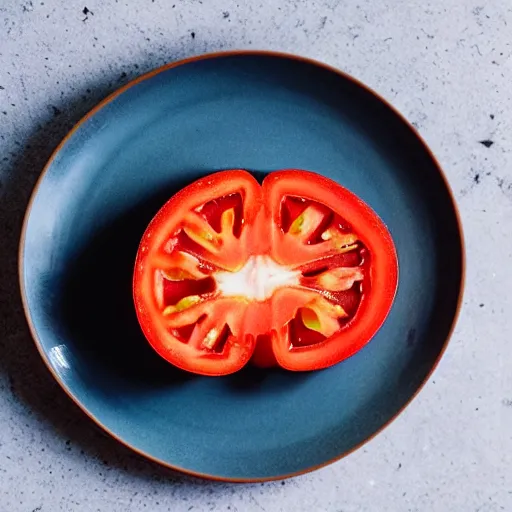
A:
x: 447, y: 66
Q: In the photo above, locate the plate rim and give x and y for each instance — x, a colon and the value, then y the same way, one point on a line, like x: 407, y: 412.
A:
x: 208, y: 56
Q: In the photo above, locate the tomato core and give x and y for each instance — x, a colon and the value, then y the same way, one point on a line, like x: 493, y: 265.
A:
x: 257, y: 280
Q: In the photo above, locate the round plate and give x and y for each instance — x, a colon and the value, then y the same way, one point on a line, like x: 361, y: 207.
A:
x: 258, y: 111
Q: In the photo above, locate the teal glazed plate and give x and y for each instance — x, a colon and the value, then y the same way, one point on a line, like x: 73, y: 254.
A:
x: 258, y: 111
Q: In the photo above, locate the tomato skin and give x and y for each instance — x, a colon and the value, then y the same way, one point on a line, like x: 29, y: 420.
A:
x: 258, y: 330
x: 263, y: 355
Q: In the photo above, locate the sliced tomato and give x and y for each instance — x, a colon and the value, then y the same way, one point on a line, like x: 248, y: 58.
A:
x: 296, y: 272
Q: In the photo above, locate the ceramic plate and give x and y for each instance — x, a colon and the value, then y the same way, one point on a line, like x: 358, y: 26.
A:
x: 258, y: 111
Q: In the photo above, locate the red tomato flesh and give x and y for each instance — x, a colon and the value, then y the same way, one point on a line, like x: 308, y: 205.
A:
x: 296, y: 272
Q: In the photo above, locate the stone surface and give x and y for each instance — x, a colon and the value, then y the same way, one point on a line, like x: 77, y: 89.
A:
x: 447, y: 66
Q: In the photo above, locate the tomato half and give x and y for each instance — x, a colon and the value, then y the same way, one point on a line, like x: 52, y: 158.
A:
x: 296, y: 272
